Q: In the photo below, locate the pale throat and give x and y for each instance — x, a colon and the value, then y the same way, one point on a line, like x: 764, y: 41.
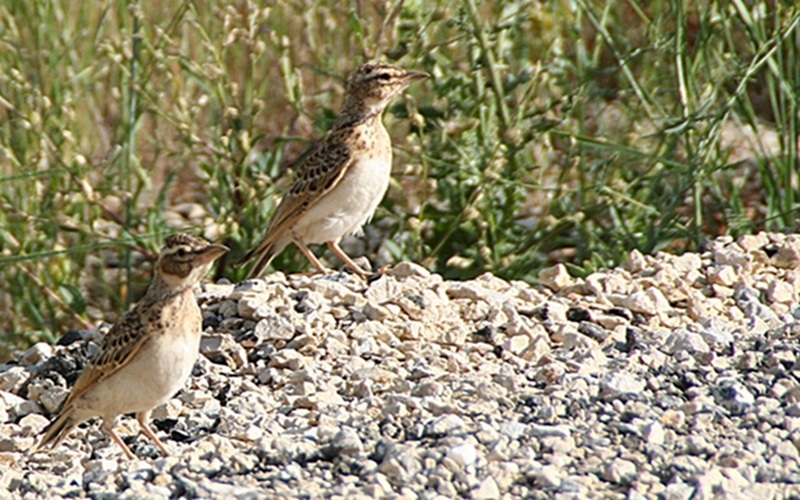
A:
x: 170, y: 284
x: 364, y: 108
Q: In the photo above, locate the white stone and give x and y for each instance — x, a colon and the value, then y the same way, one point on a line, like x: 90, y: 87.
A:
x: 337, y: 293
x: 36, y: 354
x: 274, y: 328
x: 620, y: 471
x: 347, y: 441
x: 679, y: 491
x: 724, y: 275
x: 709, y: 483
x: 556, y: 310
x: 249, y: 287
x: 213, y: 345
x: 407, y: 269
x: 635, y: 262
x: 684, y: 340
x: 101, y: 465
x: 53, y: 398
x: 383, y: 290
x: 32, y: 424
x: 542, y: 431
x: 170, y: 409
x: 18, y: 407
x: 687, y: 263
x: 651, y: 302
x: 473, y: 291
x: 555, y: 278
x: 537, y: 349
x: 253, y: 306
x: 517, y: 344
x: 619, y: 384
x: 753, y: 242
x: 445, y: 425
x: 787, y: 449
x: 788, y: 255
x: 464, y: 454
x: 547, y: 476
x: 731, y: 256
x: 733, y: 395
x: 11, y: 380
x: 653, y: 433
x: 781, y: 292
x: 486, y: 490
x: 716, y: 337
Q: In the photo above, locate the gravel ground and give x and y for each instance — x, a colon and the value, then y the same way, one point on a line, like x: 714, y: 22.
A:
x: 669, y: 377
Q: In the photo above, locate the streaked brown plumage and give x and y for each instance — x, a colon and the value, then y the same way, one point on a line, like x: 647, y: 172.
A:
x: 146, y: 357
x: 337, y: 190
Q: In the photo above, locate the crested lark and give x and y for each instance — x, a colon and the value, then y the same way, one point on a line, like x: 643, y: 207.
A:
x: 338, y: 188
x: 147, y: 356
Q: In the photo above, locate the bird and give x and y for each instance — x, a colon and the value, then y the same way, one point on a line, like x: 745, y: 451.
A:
x: 148, y: 355
x: 337, y: 189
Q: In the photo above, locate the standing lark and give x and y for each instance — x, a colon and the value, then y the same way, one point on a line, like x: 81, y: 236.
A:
x: 147, y: 356
x: 338, y: 188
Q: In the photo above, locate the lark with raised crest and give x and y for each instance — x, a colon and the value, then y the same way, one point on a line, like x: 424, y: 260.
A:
x: 146, y: 357
x: 337, y: 190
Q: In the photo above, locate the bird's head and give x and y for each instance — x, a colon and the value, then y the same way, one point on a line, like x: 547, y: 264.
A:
x: 185, y: 259
x: 375, y: 84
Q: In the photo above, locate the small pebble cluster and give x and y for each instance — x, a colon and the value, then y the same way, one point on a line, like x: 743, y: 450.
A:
x: 670, y: 377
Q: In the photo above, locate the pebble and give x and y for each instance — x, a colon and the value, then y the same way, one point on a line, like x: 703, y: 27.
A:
x: 486, y: 490
x: 347, y: 442
x: 685, y: 341
x: 714, y: 337
x: 733, y: 395
x: 464, y: 454
x: 556, y: 278
x: 12, y: 378
x: 653, y: 433
x: 668, y: 377
x: 38, y: 353
x: 445, y: 425
x: 620, y: 471
x: 547, y: 476
x: 620, y: 384
x: 650, y: 301
x: 782, y: 292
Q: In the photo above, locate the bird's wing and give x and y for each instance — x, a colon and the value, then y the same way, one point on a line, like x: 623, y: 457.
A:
x: 118, y: 348
x: 318, y: 175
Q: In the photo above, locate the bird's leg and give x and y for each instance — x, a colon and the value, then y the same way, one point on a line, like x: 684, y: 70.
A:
x: 108, y: 426
x: 309, y: 255
x: 142, y: 417
x: 336, y: 249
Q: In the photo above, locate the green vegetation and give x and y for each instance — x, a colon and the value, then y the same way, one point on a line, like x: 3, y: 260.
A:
x: 551, y: 131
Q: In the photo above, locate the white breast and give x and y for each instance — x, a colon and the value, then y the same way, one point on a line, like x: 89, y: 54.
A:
x: 157, y: 371
x: 349, y: 205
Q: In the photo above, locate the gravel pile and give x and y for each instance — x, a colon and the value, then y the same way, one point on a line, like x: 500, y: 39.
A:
x: 669, y: 377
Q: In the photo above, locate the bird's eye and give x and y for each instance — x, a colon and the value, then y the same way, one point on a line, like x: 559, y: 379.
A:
x: 385, y: 76
x: 181, y: 252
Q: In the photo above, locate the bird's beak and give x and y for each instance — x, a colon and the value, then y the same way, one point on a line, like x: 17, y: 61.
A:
x: 416, y: 75
x: 211, y: 253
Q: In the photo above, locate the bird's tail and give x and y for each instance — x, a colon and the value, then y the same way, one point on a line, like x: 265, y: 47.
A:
x: 58, y: 430
x: 263, y: 253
